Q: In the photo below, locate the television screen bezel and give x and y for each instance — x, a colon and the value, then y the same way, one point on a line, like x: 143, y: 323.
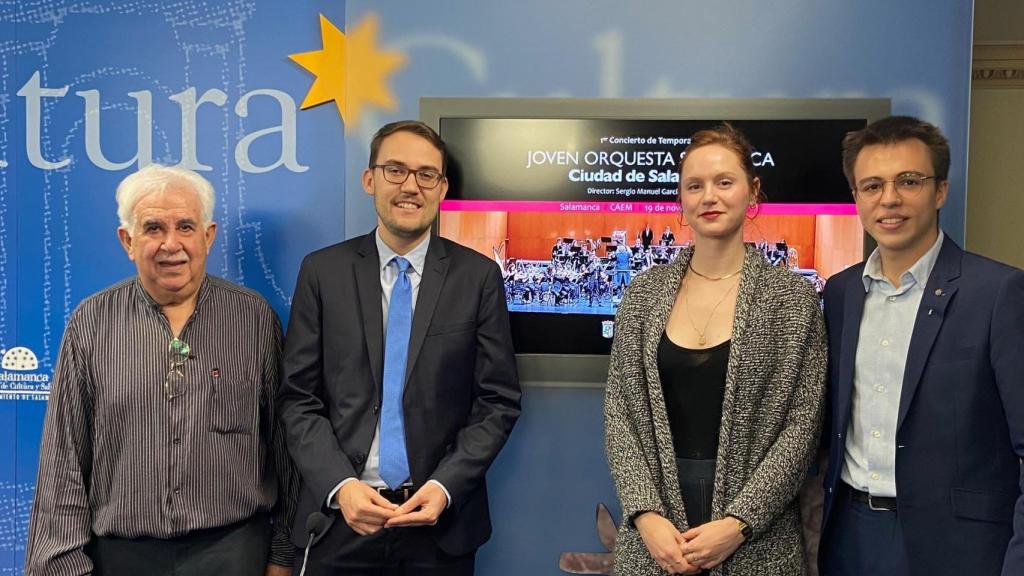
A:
x: 590, y: 370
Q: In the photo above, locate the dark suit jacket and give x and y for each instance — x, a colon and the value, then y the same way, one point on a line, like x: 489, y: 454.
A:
x: 461, y: 394
x: 647, y: 237
x: 960, y: 431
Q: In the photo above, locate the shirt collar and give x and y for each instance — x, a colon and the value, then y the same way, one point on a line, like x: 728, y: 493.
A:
x: 204, y: 291
x: 918, y: 273
x: 417, y: 257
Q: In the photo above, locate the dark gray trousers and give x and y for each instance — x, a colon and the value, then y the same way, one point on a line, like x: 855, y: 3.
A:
x: 240, y: 549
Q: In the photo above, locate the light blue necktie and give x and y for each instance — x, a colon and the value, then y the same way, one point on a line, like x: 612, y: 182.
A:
x: 394, y: 463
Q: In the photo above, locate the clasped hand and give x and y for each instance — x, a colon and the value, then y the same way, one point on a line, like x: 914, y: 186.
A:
x: 700, y: 548
x: 366, y: 511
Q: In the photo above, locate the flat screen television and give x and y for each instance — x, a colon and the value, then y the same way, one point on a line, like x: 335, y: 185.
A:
x: 572, y: 198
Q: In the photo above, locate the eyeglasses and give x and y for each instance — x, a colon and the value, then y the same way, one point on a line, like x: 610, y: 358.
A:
x: 906, y: 184
x: 179, y: 352
x: 397, y: 174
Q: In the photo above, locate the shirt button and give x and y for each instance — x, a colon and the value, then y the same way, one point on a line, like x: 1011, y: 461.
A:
x: 885, y: 343
x: 880, y: 388
x: 876, y: 433
x: 891, y: 298
x: 874, y: 475
x: 177, y: 491
x: 177, y: 441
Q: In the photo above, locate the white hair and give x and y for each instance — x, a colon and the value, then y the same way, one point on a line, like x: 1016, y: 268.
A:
x: 156, y: 178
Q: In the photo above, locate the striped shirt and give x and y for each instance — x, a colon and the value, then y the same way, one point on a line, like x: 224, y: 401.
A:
x: 119, y: 459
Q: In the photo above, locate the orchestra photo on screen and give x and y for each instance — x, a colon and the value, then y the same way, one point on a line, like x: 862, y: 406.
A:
x: 589, y: 275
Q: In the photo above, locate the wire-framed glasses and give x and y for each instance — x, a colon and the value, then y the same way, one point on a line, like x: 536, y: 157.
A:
x: 906, y: 184
x: 178, y: 352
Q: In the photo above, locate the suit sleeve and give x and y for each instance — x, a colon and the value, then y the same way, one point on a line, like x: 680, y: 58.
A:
x: 776, y: 480
x: 310, y: 437
x: 61, y: 522
x: 634, y: 483
x: 496, y: 404
x: 833, y: 303
x: 1007, y: 359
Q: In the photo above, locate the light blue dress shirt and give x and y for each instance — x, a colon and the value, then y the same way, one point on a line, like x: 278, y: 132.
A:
x: 885, y: 330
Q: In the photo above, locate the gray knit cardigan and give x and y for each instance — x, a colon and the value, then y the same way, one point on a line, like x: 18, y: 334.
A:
x: 771, y: 415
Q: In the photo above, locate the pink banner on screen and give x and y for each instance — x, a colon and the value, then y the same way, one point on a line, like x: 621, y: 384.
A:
x: 630, y: 207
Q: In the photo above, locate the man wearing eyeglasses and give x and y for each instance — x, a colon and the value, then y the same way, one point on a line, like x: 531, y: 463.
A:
x: 926, y: 380
x: 400, y: 385
x: 161, y: 453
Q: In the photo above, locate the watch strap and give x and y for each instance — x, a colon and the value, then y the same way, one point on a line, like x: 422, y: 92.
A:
x: 743, y: 527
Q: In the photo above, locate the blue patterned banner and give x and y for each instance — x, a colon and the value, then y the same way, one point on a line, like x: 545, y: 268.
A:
x: 89, y: 91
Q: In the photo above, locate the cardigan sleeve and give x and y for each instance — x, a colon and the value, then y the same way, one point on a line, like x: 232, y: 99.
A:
x: 777, y: 478
x: 624, y: 428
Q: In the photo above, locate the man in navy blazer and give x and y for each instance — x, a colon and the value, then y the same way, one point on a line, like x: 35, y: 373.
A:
x: 393, y: 429
x: 926, y: 380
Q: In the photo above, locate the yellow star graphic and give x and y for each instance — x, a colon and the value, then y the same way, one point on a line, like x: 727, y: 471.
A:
x: 351, y: 70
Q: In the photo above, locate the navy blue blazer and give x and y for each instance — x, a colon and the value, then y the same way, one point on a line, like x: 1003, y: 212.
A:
x: 960, y: 430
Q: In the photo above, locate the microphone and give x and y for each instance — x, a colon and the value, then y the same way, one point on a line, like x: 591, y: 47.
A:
x: 317, y: 525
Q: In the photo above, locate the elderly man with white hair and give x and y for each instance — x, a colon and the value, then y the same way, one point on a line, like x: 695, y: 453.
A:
x: 161, y: 452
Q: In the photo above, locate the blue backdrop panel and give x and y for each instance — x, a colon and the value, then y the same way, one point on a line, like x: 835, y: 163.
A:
x: 915, y: 52
x: 547, y: 482
x: 78, y: 78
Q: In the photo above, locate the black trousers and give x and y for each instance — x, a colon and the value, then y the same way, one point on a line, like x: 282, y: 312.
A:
x: 239, y: 549
x: 390, y: 552
x: 697, y: 484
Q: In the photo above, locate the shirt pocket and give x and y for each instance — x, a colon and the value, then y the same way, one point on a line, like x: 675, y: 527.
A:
x: 233, y: 404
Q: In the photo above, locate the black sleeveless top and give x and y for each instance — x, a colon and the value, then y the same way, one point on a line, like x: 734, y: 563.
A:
x: 693, y: 382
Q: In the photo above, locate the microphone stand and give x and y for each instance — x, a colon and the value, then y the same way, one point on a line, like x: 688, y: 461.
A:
x: 317, y: 525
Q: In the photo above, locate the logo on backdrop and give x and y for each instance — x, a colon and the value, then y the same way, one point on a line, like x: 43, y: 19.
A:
x: 20, y: 378
x: 355, y: 56
x: 367, y: 66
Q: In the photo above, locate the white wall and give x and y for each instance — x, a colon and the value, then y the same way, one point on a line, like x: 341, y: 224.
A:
x: 995, y: 184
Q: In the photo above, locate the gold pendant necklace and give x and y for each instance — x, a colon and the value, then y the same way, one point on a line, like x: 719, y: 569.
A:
x: 701, y: 339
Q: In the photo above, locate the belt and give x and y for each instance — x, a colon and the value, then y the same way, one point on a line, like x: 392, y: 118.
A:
x: 876, y: 503
x: 398, y: 495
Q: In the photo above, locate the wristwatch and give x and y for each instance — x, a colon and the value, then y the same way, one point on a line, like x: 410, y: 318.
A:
x: 743, y: 527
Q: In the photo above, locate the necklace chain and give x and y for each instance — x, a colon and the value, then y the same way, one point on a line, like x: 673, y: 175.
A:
x: 701, y: 339
x: 715, y: 278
